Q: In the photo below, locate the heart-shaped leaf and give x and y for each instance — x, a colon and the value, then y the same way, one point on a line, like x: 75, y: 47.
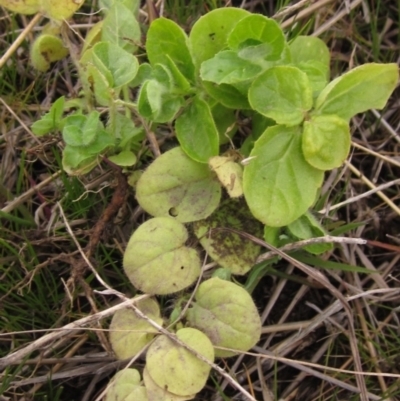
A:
x: 226, y: 313
x: 175, y: 185
x: 177, y: 369
x: 129, y: 333
x: 156, y: 259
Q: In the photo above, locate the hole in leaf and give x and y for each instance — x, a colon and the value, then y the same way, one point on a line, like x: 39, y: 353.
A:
x: 173, y: 212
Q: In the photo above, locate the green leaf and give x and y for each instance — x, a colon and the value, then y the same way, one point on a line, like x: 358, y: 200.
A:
x: 226, y: 313
x: 175, y: 368
x: 60, y: 10
x: 21, y: 6
x: 99, y: 84
x: 227, y: 67
x: 227, y: 95
x: 156, y: 259
x: 366, y: 87
x: 45, y: 50
x: 124, y: 130
x: 121, y: 28
x: 81, y: 130
x: 52, y: 120
x: 306, y: 227
x: 125, y: 158
x: 129, y: 333
x: 279, y: 185
x: 310, y: 48
x: 229, y: 173
x: 132, y: 5
x: 317, y: 74
x: 196, y: 131
x: 271, y: 235
x: 209, y: 34
x: 175, y: 185
x: 157, y: 393
x: 171, y: 77
x: 166, y: 39
x: 326, y: 141
x: 144, y: 73
x: 157, y: 103
x: 282, y: 93
x: 225, y: 121
x: 255, y: 30
x: 112, y: 60
x: 228, y: 249
x: 125, y: 386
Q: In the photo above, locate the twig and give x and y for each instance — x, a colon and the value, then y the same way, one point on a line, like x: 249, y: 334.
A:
x: 22, y: 198
x: 317, y: 240
x: 17, y: 42
x: 371, y: 185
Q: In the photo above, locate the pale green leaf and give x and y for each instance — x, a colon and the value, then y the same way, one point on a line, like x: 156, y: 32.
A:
x: 279, y: 185
x: 227, y: 95
x: 175, y: 368
x: 226, y: 313
x: 175, y: 185
x: 129, y: 333
x: 52, y: 120
x: 156, y: 259
x: 310, y: 48
x: 125, y: 386
x: 326, y: 141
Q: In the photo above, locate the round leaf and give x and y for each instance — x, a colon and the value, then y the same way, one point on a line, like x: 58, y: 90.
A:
x: 226, y: 313
x: 279, y: 184
x: 156, y: 393
x: 229, y: 249
x: 126, y: 386
x: 175, y: 185
x: 309, y: 48
x: 45, y: 50
x: 129, y: 333
x: 175, y: 368
x: 210, y: 33
x: 326, y: 141
x: 156, y: 259
x: 282, y: 93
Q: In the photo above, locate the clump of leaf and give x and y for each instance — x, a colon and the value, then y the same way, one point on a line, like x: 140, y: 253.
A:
x: 156, y: 259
